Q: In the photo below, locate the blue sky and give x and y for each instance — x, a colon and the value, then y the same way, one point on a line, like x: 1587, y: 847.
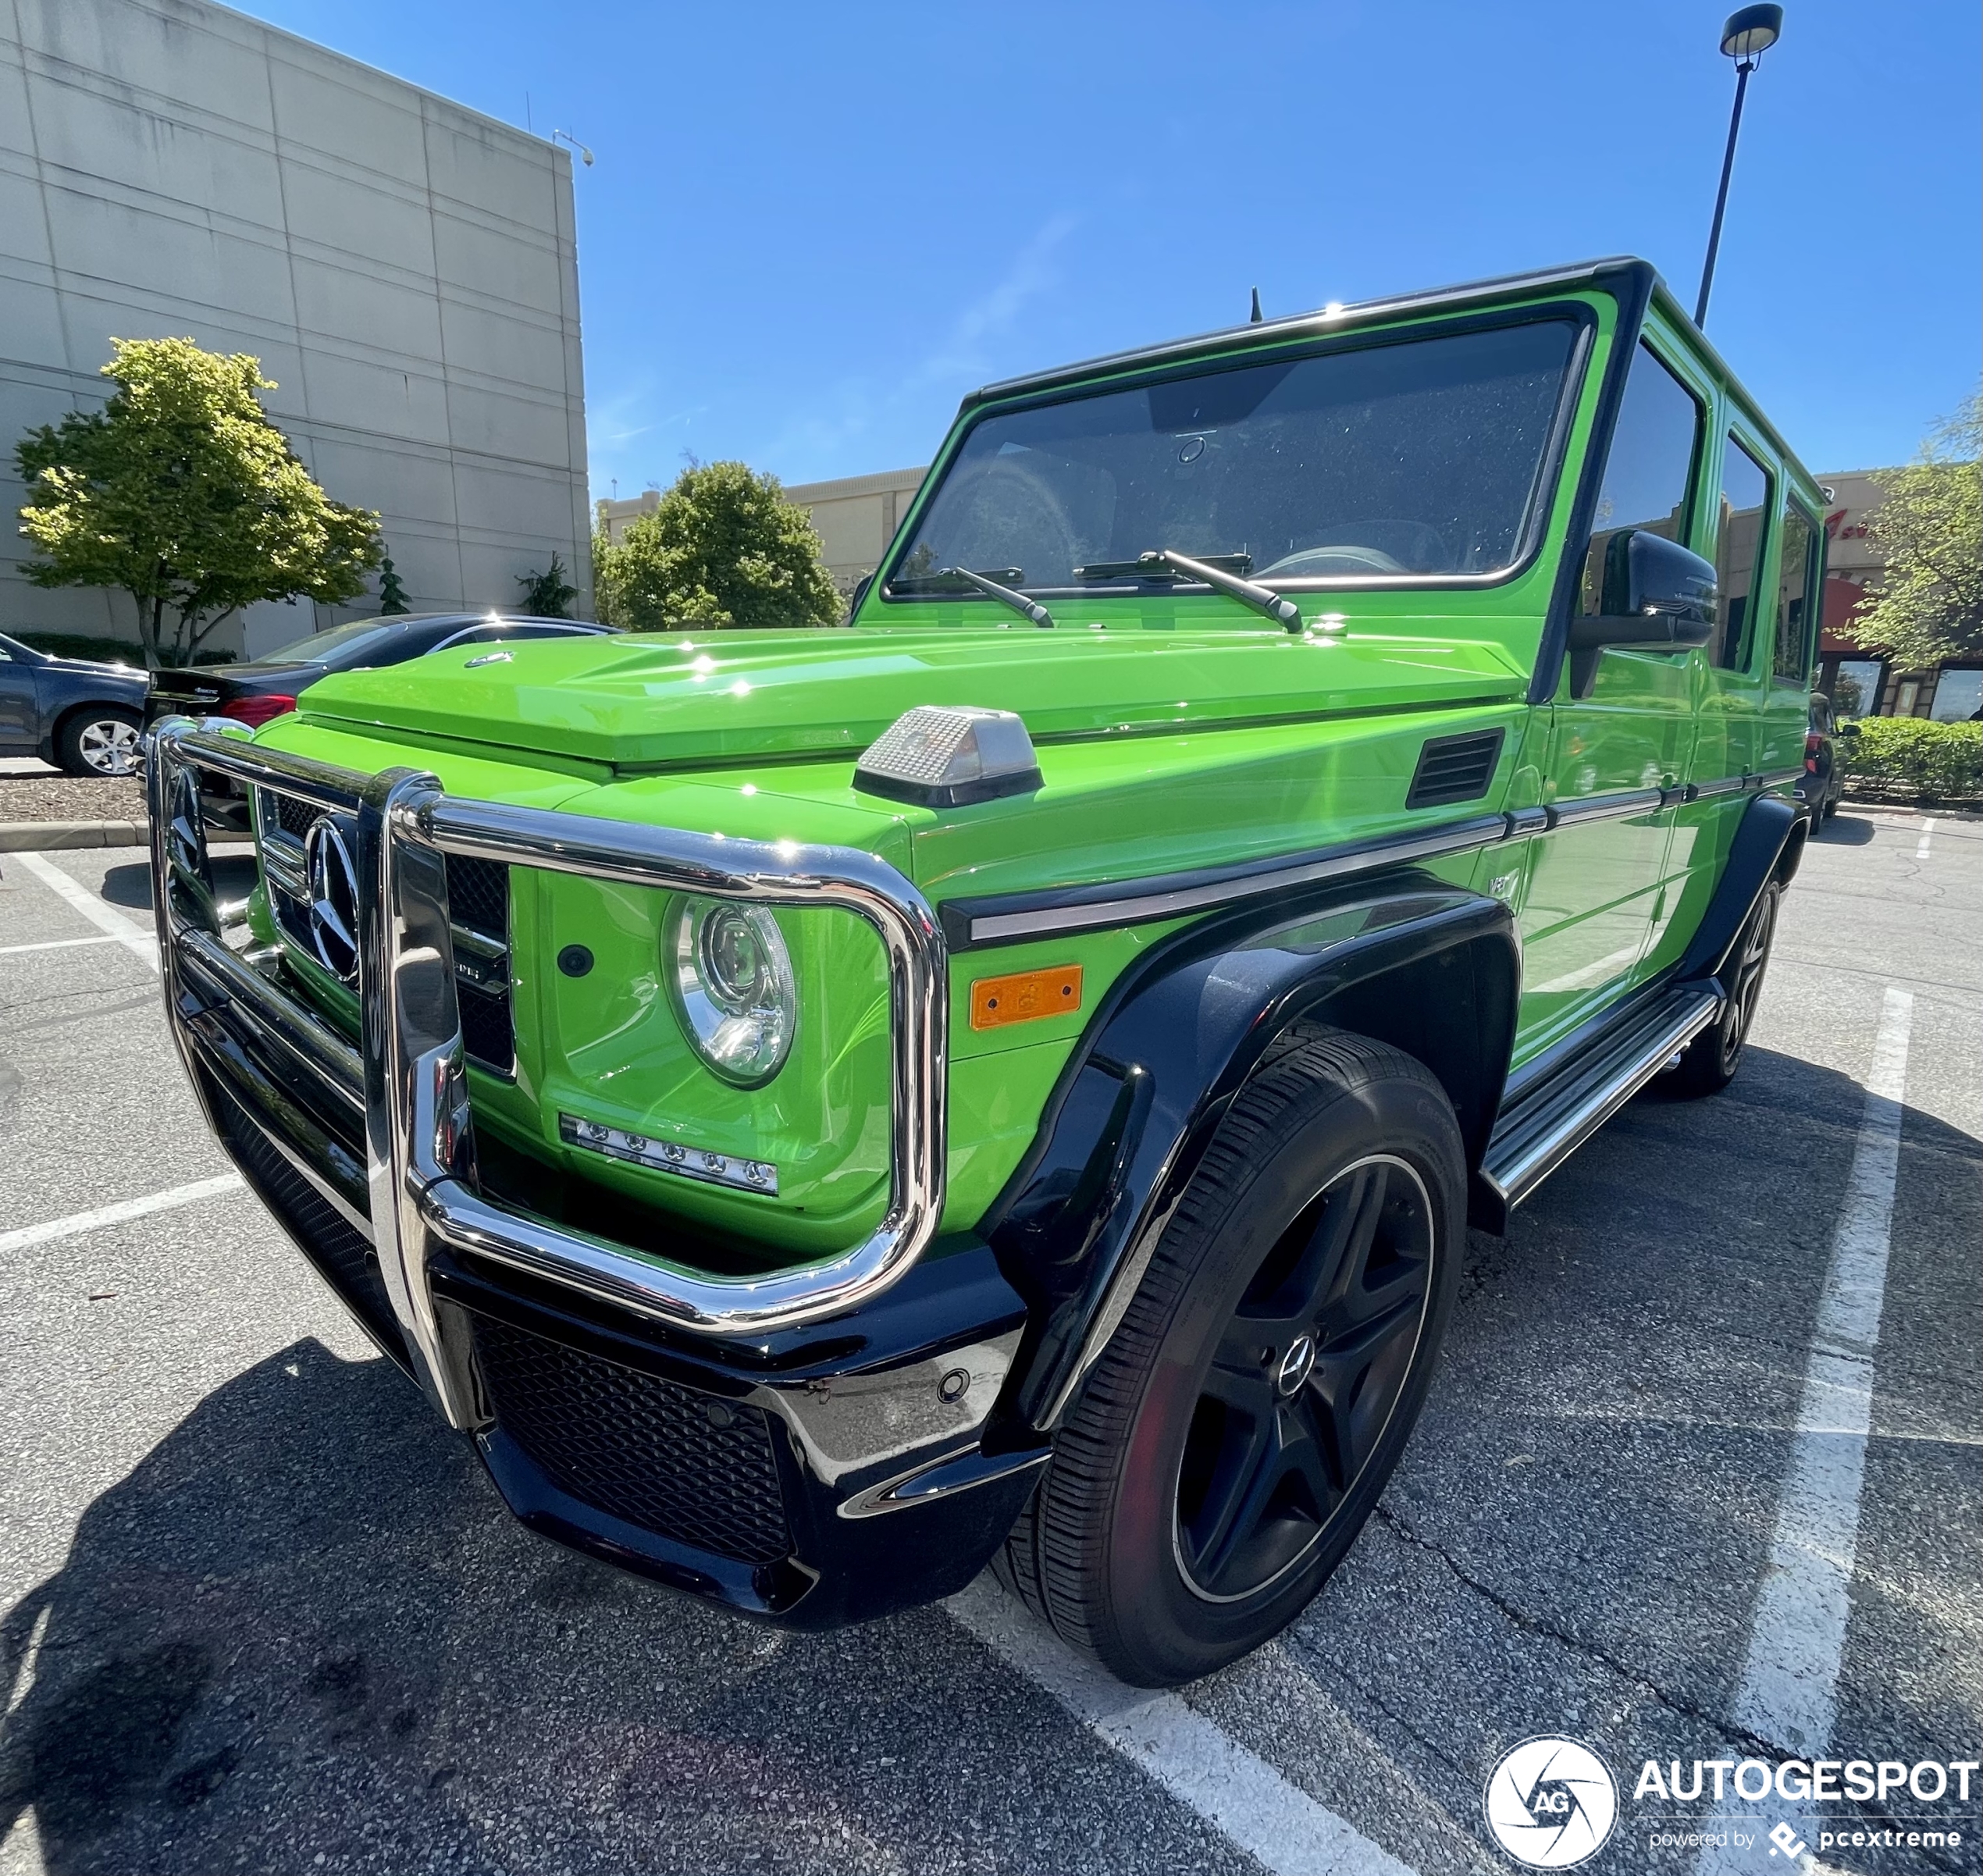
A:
x: 810, y: 229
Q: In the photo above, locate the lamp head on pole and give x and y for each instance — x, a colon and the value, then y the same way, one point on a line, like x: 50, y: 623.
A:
x: 1750, y: 31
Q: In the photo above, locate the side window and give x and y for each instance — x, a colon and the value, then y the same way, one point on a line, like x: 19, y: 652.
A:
x: 1799, y: 563
x: 1739, y: 547
x: 1650, y: 467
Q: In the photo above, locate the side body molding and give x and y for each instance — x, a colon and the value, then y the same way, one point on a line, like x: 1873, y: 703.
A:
x: 1409, y: 960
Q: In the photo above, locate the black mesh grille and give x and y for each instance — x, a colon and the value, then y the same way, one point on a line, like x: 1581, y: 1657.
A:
x: 638, y: 1448
x: 479, y: 896
x: 1455, y: 768
x: 485, y: 1031
x: 285, y: 811
x: 341, y: 1253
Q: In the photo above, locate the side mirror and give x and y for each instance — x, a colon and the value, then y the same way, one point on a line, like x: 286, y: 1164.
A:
x: 1657, y: 595
x: 1849, y: 731
x: 854, y: 598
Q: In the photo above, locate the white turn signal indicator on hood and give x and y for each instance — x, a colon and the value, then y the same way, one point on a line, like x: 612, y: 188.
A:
x: 942, y: 755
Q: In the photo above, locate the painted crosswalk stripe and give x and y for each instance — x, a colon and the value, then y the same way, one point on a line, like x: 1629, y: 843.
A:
x: 136, y: 938
x: 77, y: 1223
x: 1197, y: 1762
x: 1928, y: 833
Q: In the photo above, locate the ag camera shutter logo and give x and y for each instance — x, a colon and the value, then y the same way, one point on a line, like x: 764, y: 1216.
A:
x: 1551, y: 1802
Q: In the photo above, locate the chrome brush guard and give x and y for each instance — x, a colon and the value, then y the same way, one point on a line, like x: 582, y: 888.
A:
x: 403, y: 1091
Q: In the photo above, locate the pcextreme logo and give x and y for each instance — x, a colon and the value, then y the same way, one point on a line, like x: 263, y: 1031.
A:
x: 1551, y: 1802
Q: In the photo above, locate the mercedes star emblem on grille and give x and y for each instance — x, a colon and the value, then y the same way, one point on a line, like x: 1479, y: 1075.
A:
x: 333, y: 899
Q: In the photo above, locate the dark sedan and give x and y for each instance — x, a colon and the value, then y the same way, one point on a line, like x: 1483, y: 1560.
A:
x: 257, y: 692
x: 264, y: 688
x: 1824, y: 780
x: 73, y: 711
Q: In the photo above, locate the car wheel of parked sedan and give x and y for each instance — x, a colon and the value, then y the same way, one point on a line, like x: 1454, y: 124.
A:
x: 1712, y: 1059
x: 99, y: 742
x: 1235, y: 1433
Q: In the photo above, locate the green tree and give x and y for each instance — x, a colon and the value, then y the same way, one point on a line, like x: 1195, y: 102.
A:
x: 182, y: 492
x: 1928, y: 603
x: 723, y: 547
x: 392, y: 590
x: 546, y: 595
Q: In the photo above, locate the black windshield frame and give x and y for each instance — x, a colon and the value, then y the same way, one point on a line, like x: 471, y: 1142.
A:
x: 1580, y: 315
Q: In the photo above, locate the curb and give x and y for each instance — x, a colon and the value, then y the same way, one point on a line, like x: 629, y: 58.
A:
x: 47, y: 836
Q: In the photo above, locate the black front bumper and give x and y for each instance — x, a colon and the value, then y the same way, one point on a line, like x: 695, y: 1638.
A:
x: 755, y: 1472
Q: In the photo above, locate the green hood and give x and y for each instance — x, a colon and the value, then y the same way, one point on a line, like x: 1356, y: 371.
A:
x: 656, y: 702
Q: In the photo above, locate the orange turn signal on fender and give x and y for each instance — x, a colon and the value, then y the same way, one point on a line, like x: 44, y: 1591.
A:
x: 1025, y: 996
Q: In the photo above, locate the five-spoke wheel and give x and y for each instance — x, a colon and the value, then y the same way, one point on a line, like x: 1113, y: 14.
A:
x: 1304, y: 1379
x: 1236, y: 1431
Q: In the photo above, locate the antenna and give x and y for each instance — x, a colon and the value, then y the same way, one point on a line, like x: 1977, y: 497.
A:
x: 1255, y: 319
x: 566, y: 137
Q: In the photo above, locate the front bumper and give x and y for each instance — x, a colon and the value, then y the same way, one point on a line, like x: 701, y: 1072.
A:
x: 821, y: 1444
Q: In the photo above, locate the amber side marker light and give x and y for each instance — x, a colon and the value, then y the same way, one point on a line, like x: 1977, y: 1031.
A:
x: 1025, y: 996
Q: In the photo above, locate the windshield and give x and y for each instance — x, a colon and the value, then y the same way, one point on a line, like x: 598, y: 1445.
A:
x: 320, y: 646
x: 1421, y: 457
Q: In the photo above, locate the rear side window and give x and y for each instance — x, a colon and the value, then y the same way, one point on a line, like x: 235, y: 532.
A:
x: 1650, y: 467
x: 1738, y: 546
x: 1798, y: 565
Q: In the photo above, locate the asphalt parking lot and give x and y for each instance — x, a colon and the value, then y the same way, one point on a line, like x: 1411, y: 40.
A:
x: 263, y: 1612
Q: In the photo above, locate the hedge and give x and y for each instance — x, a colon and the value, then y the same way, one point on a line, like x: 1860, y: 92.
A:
x: 1915, y: 760
x: 103, y: 651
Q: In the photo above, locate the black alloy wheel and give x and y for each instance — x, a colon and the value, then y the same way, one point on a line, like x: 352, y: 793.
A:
x: 1305, y: 1381
x: 1713, y: 1057
x: 1236, y: 1429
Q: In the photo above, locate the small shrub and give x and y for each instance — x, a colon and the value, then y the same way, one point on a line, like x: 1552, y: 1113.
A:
x: 1915, y: 759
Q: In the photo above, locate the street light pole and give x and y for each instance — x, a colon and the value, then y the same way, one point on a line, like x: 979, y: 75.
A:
x: 1745, y: 36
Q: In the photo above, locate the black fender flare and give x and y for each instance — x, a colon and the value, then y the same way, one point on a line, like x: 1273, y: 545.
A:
x: 1433, y: 968
x: 1768, y: 844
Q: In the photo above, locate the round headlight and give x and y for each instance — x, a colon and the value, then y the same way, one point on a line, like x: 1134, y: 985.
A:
x: 731, y: 978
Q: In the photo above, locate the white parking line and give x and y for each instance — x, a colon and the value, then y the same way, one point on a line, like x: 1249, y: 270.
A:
x: 77, y: 1223
x: 1235, y: 1790
x: 1789, y: 1679
x: 101, y: 938
x: 133, y: 936
x: 1928, y: 831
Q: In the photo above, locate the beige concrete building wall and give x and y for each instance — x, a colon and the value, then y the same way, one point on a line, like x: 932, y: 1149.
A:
x: 405, y: 269
x: 857, y: 517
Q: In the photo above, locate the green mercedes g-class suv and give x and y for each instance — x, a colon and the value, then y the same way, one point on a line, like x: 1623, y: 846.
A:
x: 1008, y: 1081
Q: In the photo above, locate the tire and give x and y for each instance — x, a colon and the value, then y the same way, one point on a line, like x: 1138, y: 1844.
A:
x: 1289, y: 1320
x: 1713, y: 1057
x: 99, y: 741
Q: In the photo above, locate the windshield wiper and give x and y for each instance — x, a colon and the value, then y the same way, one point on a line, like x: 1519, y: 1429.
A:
x: 1031, y: 609
x: 1283, y: 612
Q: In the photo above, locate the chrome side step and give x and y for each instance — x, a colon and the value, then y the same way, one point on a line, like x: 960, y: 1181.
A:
x: 1533, y: 1137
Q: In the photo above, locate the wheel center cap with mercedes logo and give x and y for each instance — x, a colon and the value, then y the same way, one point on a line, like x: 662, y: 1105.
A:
x: 333, y: 899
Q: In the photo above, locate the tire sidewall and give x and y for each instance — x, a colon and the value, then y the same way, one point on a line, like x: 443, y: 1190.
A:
x: 1180, y: 1634
x: 1731, y: 1035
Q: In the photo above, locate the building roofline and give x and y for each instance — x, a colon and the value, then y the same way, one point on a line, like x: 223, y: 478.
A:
x: 316, y: 47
